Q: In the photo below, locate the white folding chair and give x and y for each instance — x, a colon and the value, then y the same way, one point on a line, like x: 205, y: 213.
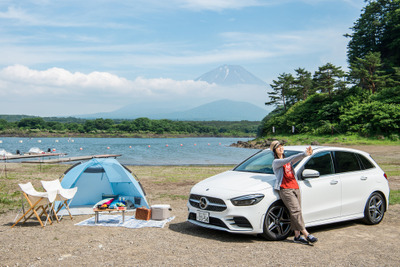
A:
x: 64, y: 195
x: 37, y: 200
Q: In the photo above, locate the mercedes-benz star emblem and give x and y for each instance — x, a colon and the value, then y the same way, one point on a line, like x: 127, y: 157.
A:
x: 203, y: 203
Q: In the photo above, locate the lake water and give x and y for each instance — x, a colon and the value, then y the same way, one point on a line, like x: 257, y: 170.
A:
x: 140, y: 151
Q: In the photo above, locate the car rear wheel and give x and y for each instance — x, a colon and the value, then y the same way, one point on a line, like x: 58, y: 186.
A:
x: 276, y: 222
x: 374, y: 209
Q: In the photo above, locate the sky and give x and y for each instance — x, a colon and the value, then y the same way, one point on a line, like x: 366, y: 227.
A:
x: 63, y: 58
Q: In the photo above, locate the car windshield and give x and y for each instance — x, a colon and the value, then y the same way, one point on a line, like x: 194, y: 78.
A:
x: 261, y: 162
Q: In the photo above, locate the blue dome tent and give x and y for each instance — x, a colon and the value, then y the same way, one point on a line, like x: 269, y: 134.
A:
x: 98, y: 178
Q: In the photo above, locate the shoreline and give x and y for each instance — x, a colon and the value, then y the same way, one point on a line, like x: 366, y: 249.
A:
x: 54, y: 135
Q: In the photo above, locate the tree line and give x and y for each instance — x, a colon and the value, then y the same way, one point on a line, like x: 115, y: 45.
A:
x: 128, y: 127
x: 363, y: 100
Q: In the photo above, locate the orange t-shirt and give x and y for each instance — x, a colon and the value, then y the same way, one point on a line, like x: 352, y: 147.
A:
x: 288, y: 180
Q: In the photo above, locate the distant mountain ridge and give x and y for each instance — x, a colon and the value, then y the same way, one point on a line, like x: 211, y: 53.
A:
x: 220, y: 110
x: 230, y: 75
x: 225, y: 110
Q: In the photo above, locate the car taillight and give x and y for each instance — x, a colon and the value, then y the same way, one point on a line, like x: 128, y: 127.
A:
x: 384, y: 174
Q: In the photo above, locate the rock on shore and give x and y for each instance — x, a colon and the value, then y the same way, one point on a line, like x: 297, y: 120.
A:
x: 257, y: 144
x: 264, y: 143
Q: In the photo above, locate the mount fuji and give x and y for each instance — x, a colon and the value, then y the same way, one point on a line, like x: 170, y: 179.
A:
x: 230, y: 75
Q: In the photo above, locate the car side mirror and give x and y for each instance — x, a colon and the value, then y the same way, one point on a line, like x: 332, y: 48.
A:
x: 308, y: 173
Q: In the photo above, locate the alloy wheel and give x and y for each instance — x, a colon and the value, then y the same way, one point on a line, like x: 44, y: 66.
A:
x: 376, y: 208
x: 277, y: 222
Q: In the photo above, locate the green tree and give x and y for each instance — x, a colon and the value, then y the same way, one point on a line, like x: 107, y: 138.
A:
x: 72, y: 126
x: 126, y: 126
x: 143, y: 124
x: 377, y: 30
x: 54, y: 125
x: 390, y: 95
x: 89, y: 126
x: 283, y: 91
x: 371, y: 118
x: 3, y: 124
x: 32, y: 123
x: 367, y: 72
x: 329, y: 78
x: 103, y: 124
x: 303, y: 84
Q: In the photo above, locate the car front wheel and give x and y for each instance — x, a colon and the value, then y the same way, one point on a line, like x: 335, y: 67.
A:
x: 374, y: 209
x: 276, y: 222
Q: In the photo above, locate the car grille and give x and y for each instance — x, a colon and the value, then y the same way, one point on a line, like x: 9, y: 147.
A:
x: 213, y: 221
x: 214, y: 204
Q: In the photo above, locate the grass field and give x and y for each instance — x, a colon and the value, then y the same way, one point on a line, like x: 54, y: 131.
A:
x: 394, y: 197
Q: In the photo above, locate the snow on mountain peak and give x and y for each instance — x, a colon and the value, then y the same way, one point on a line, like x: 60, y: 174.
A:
x: 230, y: 75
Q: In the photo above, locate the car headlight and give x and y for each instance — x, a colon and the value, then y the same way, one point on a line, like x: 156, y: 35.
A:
x: 247, y: 200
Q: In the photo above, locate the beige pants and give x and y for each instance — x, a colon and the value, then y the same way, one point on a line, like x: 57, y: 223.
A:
x: 292, y: 200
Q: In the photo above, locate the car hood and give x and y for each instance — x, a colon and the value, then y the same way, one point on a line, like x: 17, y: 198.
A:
x: 232, y: 182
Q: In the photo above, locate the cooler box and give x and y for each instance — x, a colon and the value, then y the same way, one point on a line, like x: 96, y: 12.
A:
x: 160, y: 212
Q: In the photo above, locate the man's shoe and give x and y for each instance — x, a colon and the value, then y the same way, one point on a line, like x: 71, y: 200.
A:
x: 312, y: 239
x: 300, y: 240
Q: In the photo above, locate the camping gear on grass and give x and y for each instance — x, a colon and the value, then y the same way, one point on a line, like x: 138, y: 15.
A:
x: 110, y: 203
x: 97, y: 179
x: 37, y: 200
x: 160, y: 212
x: 143, y: 214
x: 103, y: 204
x: 65, y: 196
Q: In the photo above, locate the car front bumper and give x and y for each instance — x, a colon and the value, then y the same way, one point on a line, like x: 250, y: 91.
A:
x: 227, y: 217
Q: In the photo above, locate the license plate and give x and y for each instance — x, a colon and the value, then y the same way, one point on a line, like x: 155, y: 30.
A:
x: 202, y: 216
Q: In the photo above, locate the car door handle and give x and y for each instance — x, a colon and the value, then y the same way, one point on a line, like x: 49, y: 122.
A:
x: 363, y: 178
x: 333, y: 182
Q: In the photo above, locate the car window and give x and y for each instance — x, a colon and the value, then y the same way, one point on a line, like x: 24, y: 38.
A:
x: 261, y: 162
x: 346, y: 162
x: 365, y: 162
x: 321, y: 162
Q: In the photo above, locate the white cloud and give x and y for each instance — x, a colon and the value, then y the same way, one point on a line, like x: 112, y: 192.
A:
x: 57, y: 91
x: 23, y: 81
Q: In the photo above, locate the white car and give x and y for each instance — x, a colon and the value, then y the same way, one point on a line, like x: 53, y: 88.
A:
x: 337, y: 184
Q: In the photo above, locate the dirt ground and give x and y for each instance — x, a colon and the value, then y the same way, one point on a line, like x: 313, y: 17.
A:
x: 180, y: 243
